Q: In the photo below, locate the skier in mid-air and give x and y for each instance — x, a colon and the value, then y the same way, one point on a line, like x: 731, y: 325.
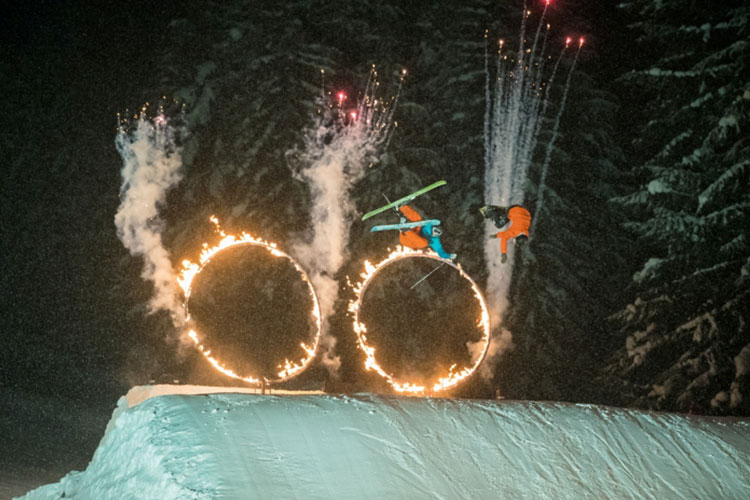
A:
x: 412, y: 234
x: 514, y: 222
x: 421, y: 236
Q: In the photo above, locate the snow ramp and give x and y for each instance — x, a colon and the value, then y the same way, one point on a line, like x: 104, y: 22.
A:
x: 246, y: 446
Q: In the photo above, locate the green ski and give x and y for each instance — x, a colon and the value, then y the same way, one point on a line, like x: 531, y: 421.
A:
x: 404, y: 200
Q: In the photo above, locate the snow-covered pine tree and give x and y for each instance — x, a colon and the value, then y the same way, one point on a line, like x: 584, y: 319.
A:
x: 687, y: 345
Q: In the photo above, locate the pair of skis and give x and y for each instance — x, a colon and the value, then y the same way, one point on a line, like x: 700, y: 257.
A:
x: 403, y: 201
x: 405, y: 225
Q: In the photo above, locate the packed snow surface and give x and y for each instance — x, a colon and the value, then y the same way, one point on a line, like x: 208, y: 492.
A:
x: 240, y: 446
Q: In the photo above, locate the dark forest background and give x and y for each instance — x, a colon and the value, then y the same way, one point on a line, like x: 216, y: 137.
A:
x: 633, y: 291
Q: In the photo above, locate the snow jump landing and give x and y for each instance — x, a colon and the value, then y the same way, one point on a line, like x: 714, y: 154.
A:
x: 239, y: 446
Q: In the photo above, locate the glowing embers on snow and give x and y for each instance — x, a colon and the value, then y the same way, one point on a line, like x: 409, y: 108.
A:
x: 454, y: 376
x: 191, y: 270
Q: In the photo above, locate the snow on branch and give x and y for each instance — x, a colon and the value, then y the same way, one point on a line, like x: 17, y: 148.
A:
x: 731, y: 176
x: 728, y: 215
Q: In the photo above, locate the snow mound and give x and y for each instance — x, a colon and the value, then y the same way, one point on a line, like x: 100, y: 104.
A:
x: 241, y: 446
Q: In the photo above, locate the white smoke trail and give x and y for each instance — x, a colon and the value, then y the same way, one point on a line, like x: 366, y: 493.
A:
x: 337, y: 150
x: 151, y: 167
x: 513, y: 117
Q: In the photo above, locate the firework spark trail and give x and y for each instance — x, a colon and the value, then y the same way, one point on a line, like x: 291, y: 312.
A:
x: 488, y: 108
x: 337, y: 150
x: 528, y: 136
x: 514, y: 114
x: 497, y: 176
x: 494, y: 130
x: 518, y: 113
x: 536, y: 83
x: 537, y: 78
x: 550, y: 145
x: 513, y: 120
x: 531, y: 134
x: 536, y: 37
x: 151, y: 167
x: 526, y: 114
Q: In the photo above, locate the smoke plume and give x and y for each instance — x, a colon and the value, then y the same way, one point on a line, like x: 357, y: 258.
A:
x: 151, y: 167
x: 343, y: 141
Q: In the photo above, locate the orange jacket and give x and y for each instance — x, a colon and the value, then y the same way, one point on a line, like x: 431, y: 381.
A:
x: 520, y: 220
x: 412, y: 238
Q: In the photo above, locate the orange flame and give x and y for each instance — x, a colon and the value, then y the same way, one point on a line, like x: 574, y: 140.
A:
x: 190, y: 270
x: 453, y: 378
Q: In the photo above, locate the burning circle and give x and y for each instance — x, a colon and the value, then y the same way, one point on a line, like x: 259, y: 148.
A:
x: 190, y: 270
x: 452, y: 378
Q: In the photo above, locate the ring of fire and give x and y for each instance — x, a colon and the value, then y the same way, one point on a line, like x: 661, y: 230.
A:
x: 452, y: 378
x: 190, y: 270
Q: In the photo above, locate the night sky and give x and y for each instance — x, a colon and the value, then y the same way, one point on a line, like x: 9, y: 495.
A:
x: 70, y: 340
x: 67, y: 69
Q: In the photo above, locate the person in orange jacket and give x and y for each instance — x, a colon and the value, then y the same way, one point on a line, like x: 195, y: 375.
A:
x: 515, y: 220
x: 421, y: 236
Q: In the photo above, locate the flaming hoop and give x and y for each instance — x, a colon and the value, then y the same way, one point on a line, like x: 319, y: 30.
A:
x: 452, y: 378
x: 190, y: 270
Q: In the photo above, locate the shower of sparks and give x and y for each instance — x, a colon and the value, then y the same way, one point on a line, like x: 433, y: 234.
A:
x: 190, y: 270
x: 454, y: 377
x: 517, y: 96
